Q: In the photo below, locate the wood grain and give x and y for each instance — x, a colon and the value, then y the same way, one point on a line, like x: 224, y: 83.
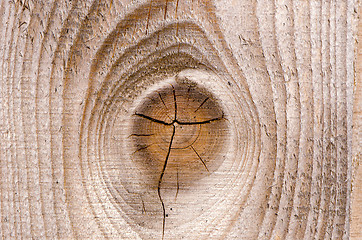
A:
x: 356, y: 200
x: 180, y: 119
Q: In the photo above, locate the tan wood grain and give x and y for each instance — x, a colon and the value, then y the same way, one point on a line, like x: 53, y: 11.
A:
x: 180, y: 119
x: 356, y: 205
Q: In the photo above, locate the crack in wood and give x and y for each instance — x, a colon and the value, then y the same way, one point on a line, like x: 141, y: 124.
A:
x: 148, y: 17
x: 198, y: 155
x: 174, y: 99
x: 153, y: 119
x: 202, y: 104
x: 165, y: 15
x: 178, y: 122
x: 164, y: 104
x: 160, y: 181
x: 141, y: 135
x: 142, y: 148
x: 177, y: 185
x: 172, y: 123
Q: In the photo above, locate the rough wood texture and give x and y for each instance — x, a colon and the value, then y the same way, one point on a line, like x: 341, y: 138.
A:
x: 356, y: 202
x: 180, y: 119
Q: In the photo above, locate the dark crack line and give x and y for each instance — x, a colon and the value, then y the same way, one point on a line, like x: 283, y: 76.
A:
x: 141, y: 135
x: 148, y: 17
x: 142, y: 148
x: 143, y: 205
x: 159, y: 94
x: 176, y: 18
x: 164, y: 104
x: 202, y: 104
x: 177, y: 185
x: 188, y: 94
x: 153, y: 119
x: 201, y: 122
x: 176, y: 121
x: 165, y: 14
x: 174, y: 99
x: 200, y: 158
x: 160, y: 181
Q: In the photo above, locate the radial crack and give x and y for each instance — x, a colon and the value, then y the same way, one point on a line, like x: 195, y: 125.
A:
x: 148, y: 17
x: 177, y: 185
x: 174, y: 98
x: 201, y: 122
x: 140, y: 135
x: 153, y: 119
x: 160, y: 181
x: 176, y: 18
x: 165, y: 14
x: 159, y: 94
x: 143, y: 205
x: 142, y: 148
x: 188, y: 94
x: 202, y: 104
x: 200, y: 158
x: 164, y: 104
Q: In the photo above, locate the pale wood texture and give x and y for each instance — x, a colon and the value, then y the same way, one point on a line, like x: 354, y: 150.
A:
x: 180, y: 119
x: 356, y: 201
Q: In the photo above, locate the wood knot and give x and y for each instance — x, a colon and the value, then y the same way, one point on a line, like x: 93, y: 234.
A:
x: 179, y: 131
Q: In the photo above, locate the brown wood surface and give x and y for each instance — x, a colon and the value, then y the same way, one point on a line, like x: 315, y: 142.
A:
x: 180, y: 119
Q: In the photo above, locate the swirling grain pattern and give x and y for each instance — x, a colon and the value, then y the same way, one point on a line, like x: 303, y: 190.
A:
x: 177, y: 119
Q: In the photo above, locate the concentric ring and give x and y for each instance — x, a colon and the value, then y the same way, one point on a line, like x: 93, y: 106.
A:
x: 260, y: 146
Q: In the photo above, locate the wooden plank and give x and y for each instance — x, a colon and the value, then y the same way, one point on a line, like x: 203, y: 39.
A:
x: 356, y: 207
x: 180, y: 119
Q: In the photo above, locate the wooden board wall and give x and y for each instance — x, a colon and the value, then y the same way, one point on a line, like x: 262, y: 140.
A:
x: 180, y: 119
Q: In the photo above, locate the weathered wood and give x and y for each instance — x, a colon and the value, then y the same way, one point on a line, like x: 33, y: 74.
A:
x: 180, y: 119
x: 356, y: 201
